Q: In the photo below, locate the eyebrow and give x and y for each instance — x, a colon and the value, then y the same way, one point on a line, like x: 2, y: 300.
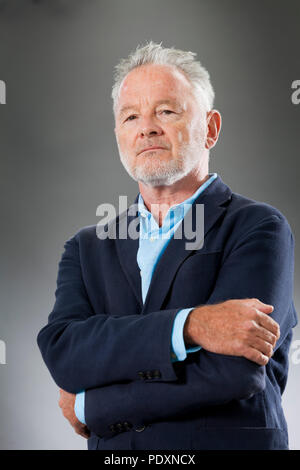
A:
x: 157, y: 103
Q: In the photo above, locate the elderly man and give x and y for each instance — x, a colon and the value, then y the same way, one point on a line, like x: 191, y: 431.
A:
x: 153, y: 345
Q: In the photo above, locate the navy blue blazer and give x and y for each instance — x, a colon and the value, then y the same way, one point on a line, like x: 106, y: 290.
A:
x: 101, y: 338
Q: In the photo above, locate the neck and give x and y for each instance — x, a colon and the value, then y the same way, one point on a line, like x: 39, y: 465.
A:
x: 158, y: 199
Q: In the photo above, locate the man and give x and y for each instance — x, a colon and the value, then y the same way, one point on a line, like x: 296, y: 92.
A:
x: 156, y: 346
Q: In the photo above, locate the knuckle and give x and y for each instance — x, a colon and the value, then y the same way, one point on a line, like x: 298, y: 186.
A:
x: 272, y: 339
x: 260, y: 359
x: 269, y: 350
x: 252, y: 326
x: 254, y: 314
x: 264, y: 359
x: 278, y: 331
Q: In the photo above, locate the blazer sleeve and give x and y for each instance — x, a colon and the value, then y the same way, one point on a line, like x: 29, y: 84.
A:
x: 84, y: 350
x: 260, y: 265
x: 213, y: 379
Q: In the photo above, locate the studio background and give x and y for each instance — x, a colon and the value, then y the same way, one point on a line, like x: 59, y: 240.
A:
x: 59, y: 158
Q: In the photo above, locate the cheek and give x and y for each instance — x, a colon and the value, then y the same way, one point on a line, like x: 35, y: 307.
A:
x: 197, y: 130
x: 124, y: 141
x: 183, y: 134
x: 179, y: 137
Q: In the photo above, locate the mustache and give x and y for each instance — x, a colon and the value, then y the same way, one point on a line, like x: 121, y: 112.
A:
x: 153, y: 144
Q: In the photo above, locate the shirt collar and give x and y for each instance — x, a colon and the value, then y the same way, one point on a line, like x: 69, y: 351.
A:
x: 179, y: 210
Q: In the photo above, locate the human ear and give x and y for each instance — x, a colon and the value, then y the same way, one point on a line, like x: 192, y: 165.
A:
x: 214, y: 122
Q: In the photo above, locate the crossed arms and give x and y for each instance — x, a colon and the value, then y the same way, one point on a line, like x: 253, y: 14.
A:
x: 78, y: 350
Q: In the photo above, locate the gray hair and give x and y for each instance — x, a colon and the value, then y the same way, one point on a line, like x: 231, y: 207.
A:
x: 153, y: 53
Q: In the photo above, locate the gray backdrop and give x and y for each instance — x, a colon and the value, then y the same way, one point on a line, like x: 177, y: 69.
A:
x: 59, y: 159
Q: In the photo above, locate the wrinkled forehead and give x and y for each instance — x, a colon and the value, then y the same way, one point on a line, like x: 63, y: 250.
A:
x: 154, y: 79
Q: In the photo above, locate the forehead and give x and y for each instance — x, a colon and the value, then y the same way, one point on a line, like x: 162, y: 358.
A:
x: 153, y: 82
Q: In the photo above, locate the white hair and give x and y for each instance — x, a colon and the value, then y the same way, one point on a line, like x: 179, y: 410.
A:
x: 153, y: 53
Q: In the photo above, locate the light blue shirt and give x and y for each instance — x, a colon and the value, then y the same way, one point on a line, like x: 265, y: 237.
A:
x: 153, y: 241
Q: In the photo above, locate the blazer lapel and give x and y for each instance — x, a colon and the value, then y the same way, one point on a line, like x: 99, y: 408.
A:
x: 175, y: 253
x: 213, y: 198
x: 127, y: 250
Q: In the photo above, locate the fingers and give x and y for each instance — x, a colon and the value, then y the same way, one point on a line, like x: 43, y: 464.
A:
x: 265, y: 308
x: 268, y: 323
x: 263, y: 347
x: 82, y: 430
x: 256, y: 356
x: 266, y: 335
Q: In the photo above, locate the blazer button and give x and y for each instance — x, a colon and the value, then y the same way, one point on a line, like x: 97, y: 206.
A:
x: 157, y: 374
x: 119, y: 427
x: 112, y: 428
x: 141, y: 375
x: 140, y: 429
x: 127, y: 426
x: 149, y: 375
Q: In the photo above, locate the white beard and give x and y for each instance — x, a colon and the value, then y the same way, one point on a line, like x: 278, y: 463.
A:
x: 157, y: 172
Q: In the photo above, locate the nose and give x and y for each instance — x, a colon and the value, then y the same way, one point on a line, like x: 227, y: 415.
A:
x: 149, y: 128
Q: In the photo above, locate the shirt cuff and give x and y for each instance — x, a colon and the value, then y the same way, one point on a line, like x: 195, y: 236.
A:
x: 179, y: 352
x: 79, y: 406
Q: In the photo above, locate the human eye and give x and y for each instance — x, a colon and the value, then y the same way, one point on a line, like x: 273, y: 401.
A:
x: 168, y: 111
x: 130, y: 118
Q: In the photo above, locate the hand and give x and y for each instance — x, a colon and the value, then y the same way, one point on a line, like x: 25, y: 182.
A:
x: 66, y: 403
x: 239, y: 327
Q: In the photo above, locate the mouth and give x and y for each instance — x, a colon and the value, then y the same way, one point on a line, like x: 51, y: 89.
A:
x: 151, y: 149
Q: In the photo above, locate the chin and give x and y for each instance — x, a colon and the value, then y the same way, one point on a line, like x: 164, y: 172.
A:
x: 166, y: 179
x: 160, y: 173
